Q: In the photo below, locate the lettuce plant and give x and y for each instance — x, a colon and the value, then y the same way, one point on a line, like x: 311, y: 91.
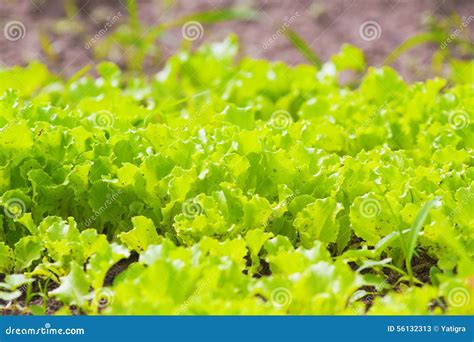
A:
x: 237, y: 187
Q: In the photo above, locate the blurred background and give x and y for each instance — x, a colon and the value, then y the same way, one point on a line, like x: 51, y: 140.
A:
x: 419, y: 38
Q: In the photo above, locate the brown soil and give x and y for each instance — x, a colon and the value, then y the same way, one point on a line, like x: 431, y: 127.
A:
x: 421, y: 266
x: 18, y: 306
x: 118, y: 268
x: 326, y: 25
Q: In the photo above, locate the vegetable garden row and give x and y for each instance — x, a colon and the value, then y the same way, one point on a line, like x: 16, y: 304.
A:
x: 235, y: 187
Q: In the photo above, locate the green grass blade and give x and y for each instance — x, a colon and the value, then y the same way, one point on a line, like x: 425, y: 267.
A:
x: 374, y: 263
x: 415, y: 229
x: 134, y: 21
x: 409, y: 44
x: 303, y: 47
x: 209, y: 17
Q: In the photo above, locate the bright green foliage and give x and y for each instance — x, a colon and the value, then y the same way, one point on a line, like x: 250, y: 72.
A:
x: 244, y: 187
x: 317, y: 221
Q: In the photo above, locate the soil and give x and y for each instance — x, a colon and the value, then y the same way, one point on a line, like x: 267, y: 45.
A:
x: 118, y: 268
x: 325, y: 25
x: 421, y: 266
x: 17, y: 307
